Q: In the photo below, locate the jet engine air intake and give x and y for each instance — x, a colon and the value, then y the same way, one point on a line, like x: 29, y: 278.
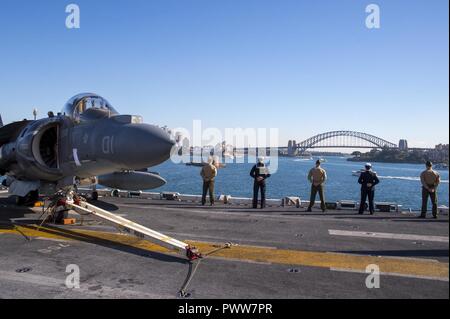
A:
x: 45, y: 146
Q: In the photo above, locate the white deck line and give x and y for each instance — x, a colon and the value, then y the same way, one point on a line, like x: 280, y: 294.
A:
x: 391, y: 274
x: 349, y: 233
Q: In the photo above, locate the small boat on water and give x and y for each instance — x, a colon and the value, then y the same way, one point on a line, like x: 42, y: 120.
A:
x: 358, y: 173
x: 197, y: 164
x: 441, y: 166
x: 303, y: 158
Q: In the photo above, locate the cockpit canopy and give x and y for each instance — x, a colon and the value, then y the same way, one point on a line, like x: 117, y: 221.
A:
x: 88, y: 105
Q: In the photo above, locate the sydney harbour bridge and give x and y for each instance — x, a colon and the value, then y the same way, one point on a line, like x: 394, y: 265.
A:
x: 332, y: 140
x: 341, y: 139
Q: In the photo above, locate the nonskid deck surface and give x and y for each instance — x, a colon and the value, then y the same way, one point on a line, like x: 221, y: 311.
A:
x: 276, y: 253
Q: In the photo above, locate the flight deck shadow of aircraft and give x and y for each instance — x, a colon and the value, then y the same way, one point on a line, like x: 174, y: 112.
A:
x: 9, y: 212
x: 70, y: 234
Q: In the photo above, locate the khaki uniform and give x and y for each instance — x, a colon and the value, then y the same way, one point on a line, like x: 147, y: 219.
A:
x: 430, y: 180
x: 317, y: 176
x: 208, y: 173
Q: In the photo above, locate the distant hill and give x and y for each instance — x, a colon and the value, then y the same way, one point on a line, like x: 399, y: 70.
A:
x: 438, y: 155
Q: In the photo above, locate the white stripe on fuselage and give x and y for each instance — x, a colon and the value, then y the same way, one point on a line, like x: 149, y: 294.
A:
x: 75, y: 157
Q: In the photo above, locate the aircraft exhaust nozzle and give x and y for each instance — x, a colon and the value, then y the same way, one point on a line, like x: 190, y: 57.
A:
x: 141, y: 145
x: 131, y: 180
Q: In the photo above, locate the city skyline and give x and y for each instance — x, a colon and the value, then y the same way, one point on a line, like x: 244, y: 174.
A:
x: 301, y: 67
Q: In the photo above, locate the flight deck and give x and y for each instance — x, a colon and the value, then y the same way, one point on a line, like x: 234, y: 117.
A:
x: 277, y: 252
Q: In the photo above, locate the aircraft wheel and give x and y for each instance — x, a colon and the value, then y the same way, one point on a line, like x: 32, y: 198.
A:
x: 33, y: 196
x: 29, y: 200
x: 19, y: 200
x: 94, y: 195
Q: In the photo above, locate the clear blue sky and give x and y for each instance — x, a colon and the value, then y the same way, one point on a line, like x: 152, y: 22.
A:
x: 305, y: 67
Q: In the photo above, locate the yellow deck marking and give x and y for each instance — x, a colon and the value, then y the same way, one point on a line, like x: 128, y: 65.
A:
x: 391, y: 265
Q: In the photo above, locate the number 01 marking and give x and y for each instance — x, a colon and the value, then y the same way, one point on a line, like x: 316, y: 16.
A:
x: 108, y: 145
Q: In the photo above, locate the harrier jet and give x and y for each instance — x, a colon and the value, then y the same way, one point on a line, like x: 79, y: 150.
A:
x: 89, y: 142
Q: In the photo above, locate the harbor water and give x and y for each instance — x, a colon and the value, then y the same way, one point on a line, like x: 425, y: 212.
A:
x: 399, y: 183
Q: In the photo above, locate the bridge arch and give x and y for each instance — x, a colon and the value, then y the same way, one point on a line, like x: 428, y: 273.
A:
x: 373, y: 140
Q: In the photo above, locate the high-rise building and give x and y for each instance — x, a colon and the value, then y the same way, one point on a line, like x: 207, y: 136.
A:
x: 289, y: 150
x: 403, y: 145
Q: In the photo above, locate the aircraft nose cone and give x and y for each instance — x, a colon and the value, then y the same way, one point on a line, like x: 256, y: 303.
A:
x: 141, y: 146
